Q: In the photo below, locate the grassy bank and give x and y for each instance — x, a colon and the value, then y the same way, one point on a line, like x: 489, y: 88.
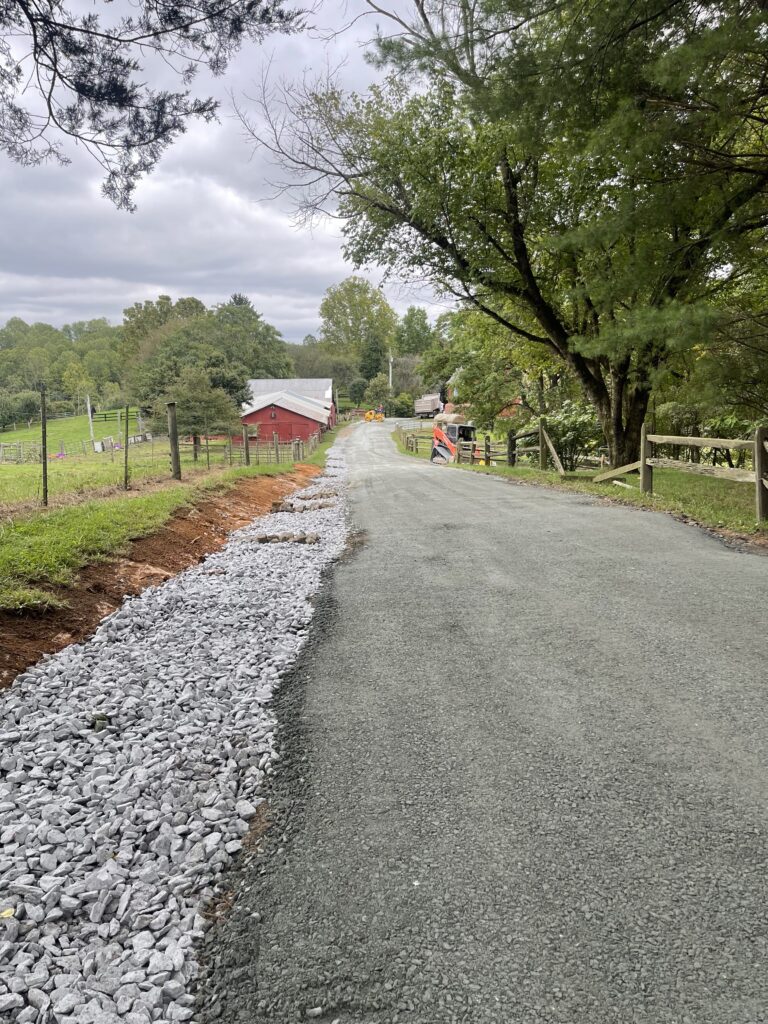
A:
x: 317, y: 458
x: 49, y: 547
x: 709, y: 501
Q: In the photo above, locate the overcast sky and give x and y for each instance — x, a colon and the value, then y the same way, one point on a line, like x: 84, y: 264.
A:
x: 205, y: 224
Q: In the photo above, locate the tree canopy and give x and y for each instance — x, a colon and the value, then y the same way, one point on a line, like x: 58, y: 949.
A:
x: 67, y: 73
x: 591, y: 177
x: 354, y: 314
x: 230, y: 343
x: 142, y: 359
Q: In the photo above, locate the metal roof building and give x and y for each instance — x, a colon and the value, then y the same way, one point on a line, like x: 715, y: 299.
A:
x: 319, y: 388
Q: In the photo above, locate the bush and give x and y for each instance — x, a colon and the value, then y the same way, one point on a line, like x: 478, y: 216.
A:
x: 61, y: 407
x: 575, y: 432
x: 357, y: 390
x: 402, y: 405
x: 377, y: 392
x: 19, y: 406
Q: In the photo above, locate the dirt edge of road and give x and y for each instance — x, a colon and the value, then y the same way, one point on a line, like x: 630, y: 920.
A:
x: 192, y: 533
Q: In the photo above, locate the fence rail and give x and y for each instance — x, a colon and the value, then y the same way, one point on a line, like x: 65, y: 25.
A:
x: 256, y: 452
x: 490, y: 453
x: 756, y: 446
x: 30, y: 467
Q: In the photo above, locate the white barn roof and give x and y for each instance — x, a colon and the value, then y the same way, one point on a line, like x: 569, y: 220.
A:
x: 313, y: 410
x: 319, y: 388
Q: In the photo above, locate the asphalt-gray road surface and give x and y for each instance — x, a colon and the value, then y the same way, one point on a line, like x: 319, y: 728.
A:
x: 524, y: 775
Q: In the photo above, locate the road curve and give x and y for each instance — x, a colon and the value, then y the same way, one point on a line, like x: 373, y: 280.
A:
x: 524, y: 776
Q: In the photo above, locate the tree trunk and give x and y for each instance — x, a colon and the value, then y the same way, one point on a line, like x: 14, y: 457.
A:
x: 622, y: 434
x: 620, y: 409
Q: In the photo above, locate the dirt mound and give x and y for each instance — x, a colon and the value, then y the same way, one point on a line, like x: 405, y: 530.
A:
x: 190, y: 535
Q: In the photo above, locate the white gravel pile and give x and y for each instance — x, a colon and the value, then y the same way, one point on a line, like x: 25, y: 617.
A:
x: 130, y: 767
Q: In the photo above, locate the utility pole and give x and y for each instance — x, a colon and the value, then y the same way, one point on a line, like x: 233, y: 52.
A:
x: 391, y: 361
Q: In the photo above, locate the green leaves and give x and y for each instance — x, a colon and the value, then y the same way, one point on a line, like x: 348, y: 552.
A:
x: 589, y: 176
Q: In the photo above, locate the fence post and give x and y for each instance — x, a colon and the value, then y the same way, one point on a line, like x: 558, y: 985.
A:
x: 487, y: 449
x: 761, y: 473
x: 173, y: 438
x: 89, y: 409
x: 511, y: 448
x: 44, y: 438
x: 542, y: 443
x: 646, y: 471
x: 246, y: 445
x: 458, y: 452
x: 125, y: 452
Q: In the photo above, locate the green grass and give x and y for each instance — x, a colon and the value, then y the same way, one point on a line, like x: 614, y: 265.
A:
x: 69, y: 430
x: 317, y: 458
x: 48, y: 547
x: 709, y: 501
x: 77, y: 476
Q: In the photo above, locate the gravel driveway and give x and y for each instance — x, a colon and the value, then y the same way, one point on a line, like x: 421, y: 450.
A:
x: 523, y: 772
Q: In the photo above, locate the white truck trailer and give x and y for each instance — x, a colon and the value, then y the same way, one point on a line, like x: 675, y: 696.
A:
x: 426, y: 406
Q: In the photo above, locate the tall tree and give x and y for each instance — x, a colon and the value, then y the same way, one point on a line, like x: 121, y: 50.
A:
x: 413, y: 334
x: 373, y: 356
x: 200, y: 405
x: 67, y: 73
x: 142, y: 319
x: 353, y: 313
x: 230, y: 343
x: 587, y: 175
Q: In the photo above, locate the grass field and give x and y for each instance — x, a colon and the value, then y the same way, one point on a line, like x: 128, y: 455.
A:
x: 70, y: 430
x: 49, y: 546
x: 712, y: 502
x: 71, y: 476
x: 76, y: 476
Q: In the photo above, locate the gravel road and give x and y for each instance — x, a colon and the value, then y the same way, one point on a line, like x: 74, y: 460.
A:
x: 523, y: 772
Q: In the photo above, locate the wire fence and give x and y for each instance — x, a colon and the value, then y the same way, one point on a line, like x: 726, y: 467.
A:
x: 31, y: 471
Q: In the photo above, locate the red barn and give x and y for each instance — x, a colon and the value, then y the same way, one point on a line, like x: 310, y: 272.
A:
x: 288, y: 415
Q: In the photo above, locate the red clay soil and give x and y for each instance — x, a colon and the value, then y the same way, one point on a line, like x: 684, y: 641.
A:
x: 186, y: 538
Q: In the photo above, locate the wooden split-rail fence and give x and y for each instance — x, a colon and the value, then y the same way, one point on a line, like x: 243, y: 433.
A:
x: 756, y: 446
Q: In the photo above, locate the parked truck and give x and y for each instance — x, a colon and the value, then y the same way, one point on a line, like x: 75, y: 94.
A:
x: 427, y: 406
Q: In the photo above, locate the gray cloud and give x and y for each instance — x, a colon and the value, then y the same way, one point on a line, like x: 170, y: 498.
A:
x: 204, y: 224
